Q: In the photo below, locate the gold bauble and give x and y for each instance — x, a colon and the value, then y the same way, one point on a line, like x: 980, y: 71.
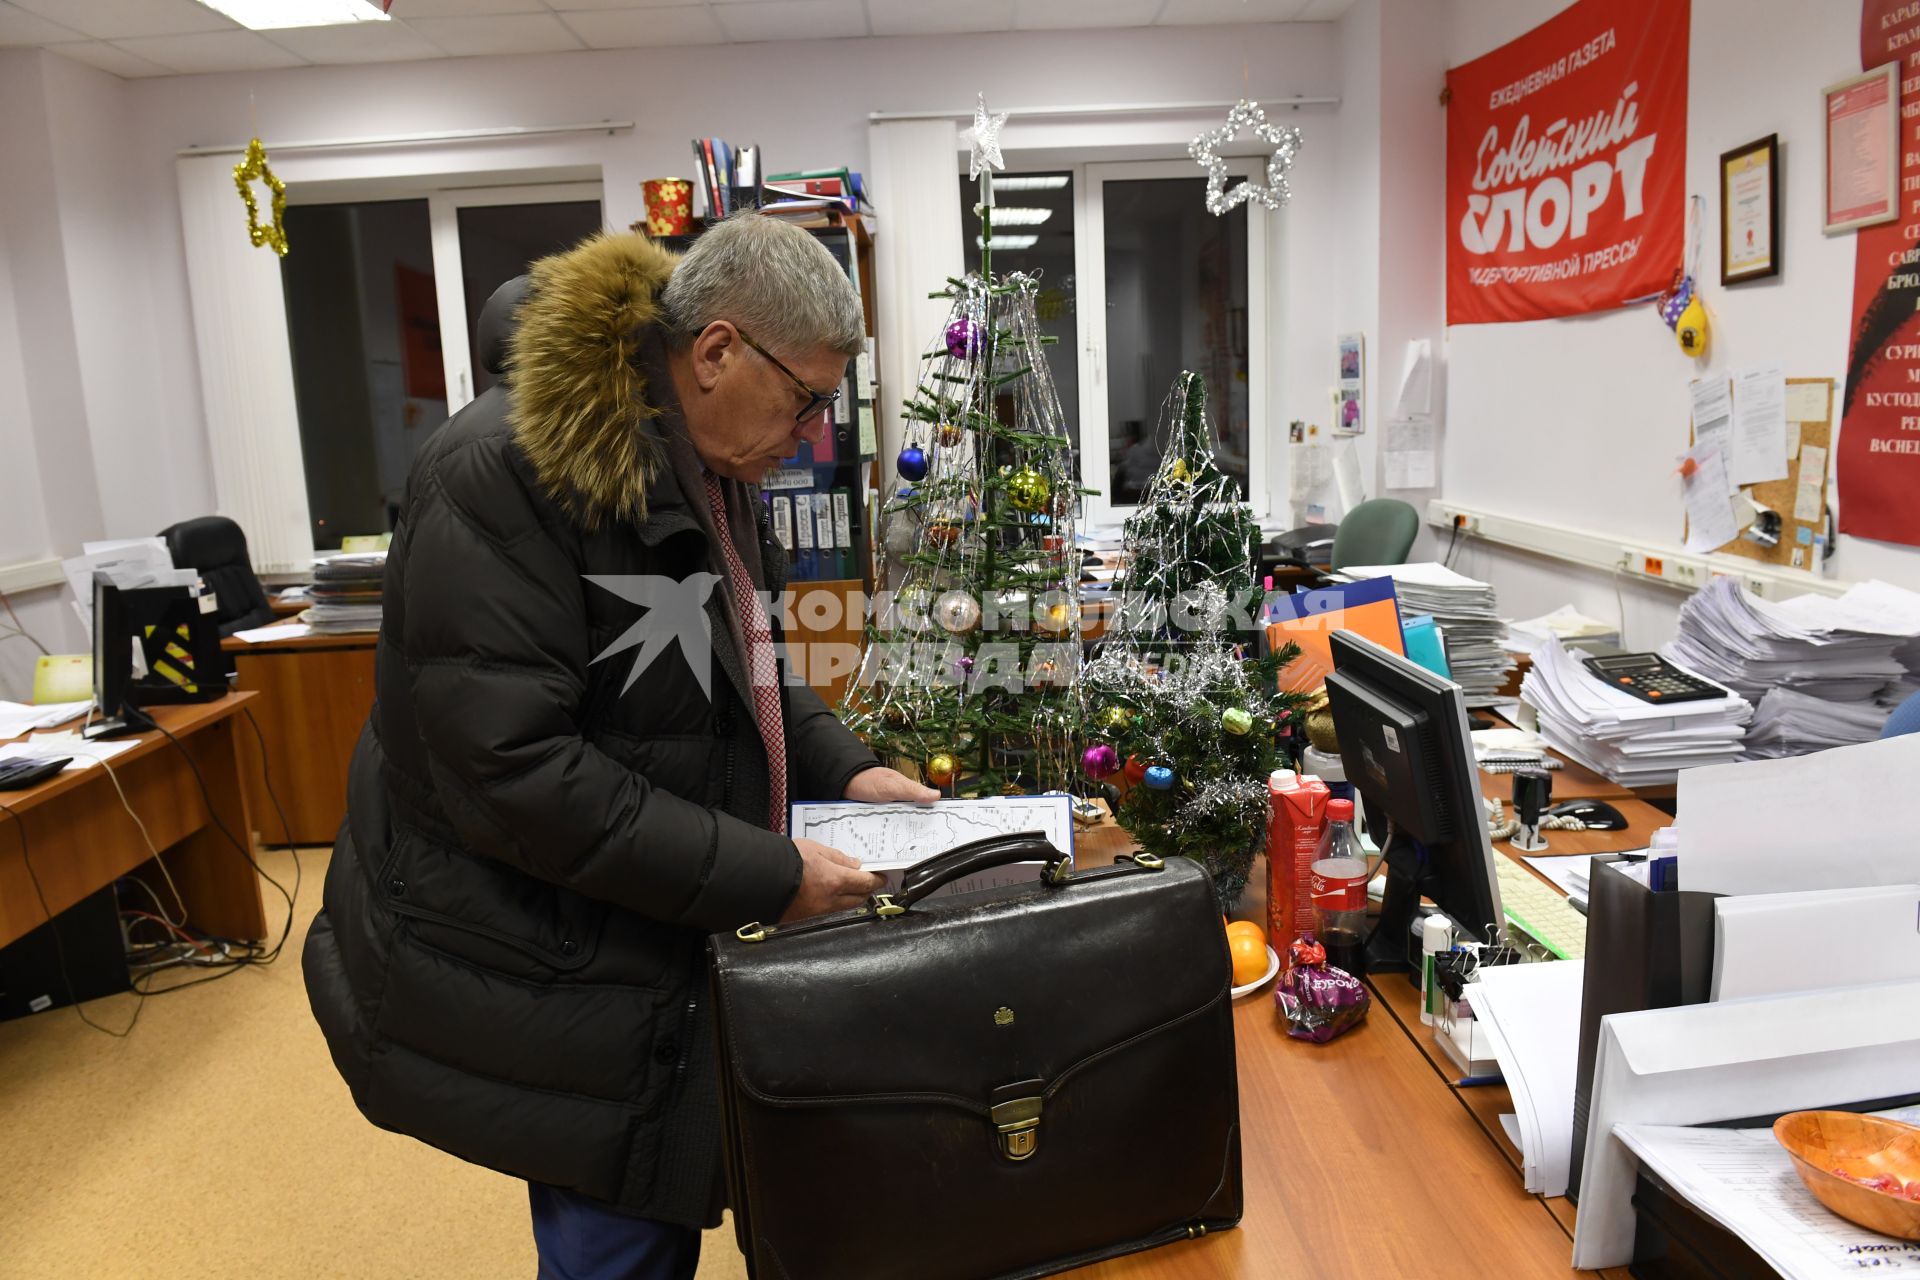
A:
x: 940, y: 769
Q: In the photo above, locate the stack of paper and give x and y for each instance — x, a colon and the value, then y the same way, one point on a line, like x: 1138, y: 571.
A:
x: 17, y: 718
x: 1825, y: 670
x: 1566, y: 622
x: 1464, y: 608
x: 346, y: 593
x: 1631, y: 741
x: 1744, y: 1180
x: 1531, y: 1012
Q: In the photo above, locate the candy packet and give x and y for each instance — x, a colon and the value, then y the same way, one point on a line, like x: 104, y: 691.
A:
x: 1317, y: 1000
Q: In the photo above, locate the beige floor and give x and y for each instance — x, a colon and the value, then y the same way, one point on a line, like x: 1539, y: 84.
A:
x: 216, y: 1140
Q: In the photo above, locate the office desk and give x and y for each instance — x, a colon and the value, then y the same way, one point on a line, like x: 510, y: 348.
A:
x: 1357, y: 1160
x: 1573, y: 781
x: 80, y: 838
x: 314, y: 695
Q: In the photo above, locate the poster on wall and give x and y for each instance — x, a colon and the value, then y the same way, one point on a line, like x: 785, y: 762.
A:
x: 1878, y: 461
x: 1566, y: 164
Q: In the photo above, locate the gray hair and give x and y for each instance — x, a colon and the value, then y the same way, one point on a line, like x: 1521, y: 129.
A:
x: 771, y: 279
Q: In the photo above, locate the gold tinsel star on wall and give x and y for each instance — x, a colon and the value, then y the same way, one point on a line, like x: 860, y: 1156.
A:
x: 254, y: 165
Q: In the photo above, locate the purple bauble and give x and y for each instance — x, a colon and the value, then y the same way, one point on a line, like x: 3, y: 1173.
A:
x: 1100, y: 761
x: 965, y: 338
x: 1675, y: 302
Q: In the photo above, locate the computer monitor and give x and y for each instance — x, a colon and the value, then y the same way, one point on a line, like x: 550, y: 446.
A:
x: 112, y: 648
x: 1405, y: 747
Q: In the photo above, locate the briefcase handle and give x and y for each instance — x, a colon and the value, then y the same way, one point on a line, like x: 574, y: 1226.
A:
x: 927, y: 875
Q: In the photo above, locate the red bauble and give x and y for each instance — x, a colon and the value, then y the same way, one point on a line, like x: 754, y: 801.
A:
x: 1135, y: 770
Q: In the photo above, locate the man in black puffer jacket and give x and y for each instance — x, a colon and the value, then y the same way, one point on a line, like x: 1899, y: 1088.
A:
x: 559, y: 793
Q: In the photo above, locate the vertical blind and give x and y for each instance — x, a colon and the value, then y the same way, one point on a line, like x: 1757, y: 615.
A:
x: 914, y: 180
x: 246, y: 370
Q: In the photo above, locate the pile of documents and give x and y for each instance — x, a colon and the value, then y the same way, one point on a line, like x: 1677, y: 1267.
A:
x: 346, y: 593
x: 1743, y: 1179
x: 1630, y: 741
x: 1566, y: 622
x: 17, y: 718
x: 1531, y: 1014
x: 1464, y: 610
x: 1825, y: 671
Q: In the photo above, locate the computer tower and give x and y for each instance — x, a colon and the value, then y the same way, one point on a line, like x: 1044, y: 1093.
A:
x: 89, y: 944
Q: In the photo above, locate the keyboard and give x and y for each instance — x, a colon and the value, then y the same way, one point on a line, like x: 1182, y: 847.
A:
x: 1537, y: 909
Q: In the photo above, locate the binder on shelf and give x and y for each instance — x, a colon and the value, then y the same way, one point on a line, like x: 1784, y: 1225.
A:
x: 825, y: 547
x: 843, y: 533
x: 1646, y: 949
x: 805, y: 566
x: 783, y: 523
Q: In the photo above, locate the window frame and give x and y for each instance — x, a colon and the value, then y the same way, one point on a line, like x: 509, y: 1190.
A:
x: 443, y: 217
x: 1090, y: 297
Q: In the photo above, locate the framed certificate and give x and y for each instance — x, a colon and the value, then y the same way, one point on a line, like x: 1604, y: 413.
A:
x: 1863, y: 162
x: 1750, y: 212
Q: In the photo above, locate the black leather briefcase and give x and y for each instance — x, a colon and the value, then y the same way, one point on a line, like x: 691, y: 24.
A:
x: 1004, y: 1083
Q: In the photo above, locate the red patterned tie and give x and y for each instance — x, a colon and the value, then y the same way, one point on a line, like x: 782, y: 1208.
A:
x: 762, y: 671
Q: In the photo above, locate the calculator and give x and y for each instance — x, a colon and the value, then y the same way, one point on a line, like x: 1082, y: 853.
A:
x: 1651, y: 677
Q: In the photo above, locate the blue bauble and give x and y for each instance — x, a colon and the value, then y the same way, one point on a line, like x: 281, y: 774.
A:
x: 913, y: 463
x: 1159, y: 777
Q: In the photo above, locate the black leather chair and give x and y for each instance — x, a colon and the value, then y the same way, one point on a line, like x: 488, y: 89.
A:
x: 216, y: 547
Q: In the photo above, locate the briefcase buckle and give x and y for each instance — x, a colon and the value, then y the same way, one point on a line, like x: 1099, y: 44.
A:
x: 885, y: 907
x: 1018, y: 1121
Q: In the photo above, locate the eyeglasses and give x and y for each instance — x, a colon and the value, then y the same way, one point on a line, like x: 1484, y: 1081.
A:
x: 816, y: 400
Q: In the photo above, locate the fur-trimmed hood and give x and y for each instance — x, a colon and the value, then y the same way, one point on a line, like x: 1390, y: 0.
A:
x: 576, y: 376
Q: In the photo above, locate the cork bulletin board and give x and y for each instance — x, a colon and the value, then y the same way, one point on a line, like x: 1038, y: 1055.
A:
x: 1801, y: 498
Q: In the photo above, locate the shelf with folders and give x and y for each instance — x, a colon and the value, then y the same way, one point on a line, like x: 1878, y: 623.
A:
x: 842, y: 472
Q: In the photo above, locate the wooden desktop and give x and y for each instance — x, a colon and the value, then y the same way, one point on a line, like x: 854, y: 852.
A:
x: 80, y: 839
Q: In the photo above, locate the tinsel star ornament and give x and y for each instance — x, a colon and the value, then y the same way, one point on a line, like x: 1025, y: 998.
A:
x: 983, y: 139
x: 1285, y: 142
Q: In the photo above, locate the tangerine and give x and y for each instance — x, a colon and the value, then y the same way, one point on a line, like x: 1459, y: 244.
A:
x: 1249, y: 957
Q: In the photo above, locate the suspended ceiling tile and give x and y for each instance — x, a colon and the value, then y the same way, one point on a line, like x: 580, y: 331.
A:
x: 17, y: 26
x: 499, y: 33
x: 105, y: 57
x: 935, y: 17
x: 646, y: 28
x: 121, y: 19
x: 355, y: 42
x: 1055, y: 15
x: 211, y: 51
x: 793, y: 20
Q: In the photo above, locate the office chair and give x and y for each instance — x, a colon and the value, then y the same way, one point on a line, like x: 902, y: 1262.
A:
x: 216, y: 548
x: 1905, y: 718
x: 1378, y: 531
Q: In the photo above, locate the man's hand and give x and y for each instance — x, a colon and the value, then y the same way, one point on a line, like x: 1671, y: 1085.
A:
x: 829, y: 881
x: 888, y: 786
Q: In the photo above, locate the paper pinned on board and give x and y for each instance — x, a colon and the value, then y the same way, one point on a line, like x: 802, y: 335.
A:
x: 1710, y: 519
x: 1346, y: 475
x: 1712, y: 413
x: 1759, y: 450
x: 1410, y: 453
x: 1416, y: 380
x: 1807, y: 507
x: 1807, y: 402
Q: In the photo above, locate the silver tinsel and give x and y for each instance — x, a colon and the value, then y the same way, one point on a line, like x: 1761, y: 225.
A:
x: 1285, y: 141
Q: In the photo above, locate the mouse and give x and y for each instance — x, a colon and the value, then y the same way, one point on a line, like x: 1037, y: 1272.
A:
x: 1598, y: 815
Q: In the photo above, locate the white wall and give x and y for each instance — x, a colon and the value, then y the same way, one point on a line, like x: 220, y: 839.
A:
x: 96, y: 266
x: 1579, y: 421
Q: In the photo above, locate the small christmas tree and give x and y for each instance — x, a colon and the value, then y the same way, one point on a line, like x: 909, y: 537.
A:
x: 1177, y: 709
x: 971, y: 664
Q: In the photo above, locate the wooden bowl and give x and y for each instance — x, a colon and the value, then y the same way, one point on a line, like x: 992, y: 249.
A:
x: 1822, y: 1141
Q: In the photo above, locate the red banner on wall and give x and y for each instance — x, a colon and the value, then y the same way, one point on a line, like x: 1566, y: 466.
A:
x: 1566, y: 164
x: 1878, y: 467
